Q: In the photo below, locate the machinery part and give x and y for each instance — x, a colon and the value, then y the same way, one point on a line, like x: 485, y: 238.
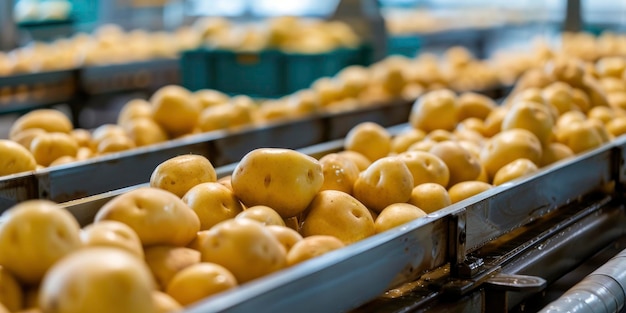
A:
x: 496, y: 289
x: 604, y: 290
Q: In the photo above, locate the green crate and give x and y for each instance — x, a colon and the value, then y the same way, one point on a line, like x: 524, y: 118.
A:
x: 406, y: 45
x: 268, y: 74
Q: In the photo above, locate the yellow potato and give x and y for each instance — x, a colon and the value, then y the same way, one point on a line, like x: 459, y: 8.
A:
x: 395, y: 215
x: 359, y: 159
x: 430, y: 197
x: 145, y: 131
x: 51, y: 146
x: 81, y: 136
x: 35, y: 234
x: 435, y: 110
x: 26, y: 136
x: 165, y: 261
x: 560, y: 95
x: 157, y: 216
x: 112, y: 234
x: 553, y: 152
x: 175, y: 110
x: 439, y: 135
x: 466, y: 189
x: 617, y: 100
x: 113, y: 144
x: 111, y: 280
x: 219, y: 117
x: 518, y: 168
x: 610, y: 67
x: 471, y: 104
x: 509, y: 146
x: 617, y: 126
x: 581, y: 99
x: 531, y: 116
x: 493, y: 121
x: 179, y: 174
x: 283, y: 179
x: 136, y: 108
x: 263, y: 214
x: 601, y: 113
x: 312, y: 247
x: 105, y: 131
x: 337, y: 214
x: 369, y: 139
x: 287, y: 236
x: 200, y: 281
x: 386, y: 181
x: 164, y: 303
x: 15, y: 158
x: 401, y: 142
x: 50, y: 120
x: 243, y: 246
x: 583, y: 137
x: 11, y: 295
x: 426, y: 167
x: 459, y: 161
x: 213, y: 203
x: 210, y: 97
x: 340, y: 173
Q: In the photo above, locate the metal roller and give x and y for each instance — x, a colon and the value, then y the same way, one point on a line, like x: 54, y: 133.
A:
x: 604, y: 290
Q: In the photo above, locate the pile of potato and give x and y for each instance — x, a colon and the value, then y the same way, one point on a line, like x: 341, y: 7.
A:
x: 286, y: 33
x: 108, y: 44
x: 191, y: 235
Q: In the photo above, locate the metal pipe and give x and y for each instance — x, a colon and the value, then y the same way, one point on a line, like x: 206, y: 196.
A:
x: 604, y: 290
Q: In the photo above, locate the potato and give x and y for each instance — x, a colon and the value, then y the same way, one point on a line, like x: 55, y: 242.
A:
x: 560, y: 95
x: 15, y: 158
x: 471, y: 104
x: 105, y: 131
x: 213, y: 203
x: 208, y: 98
x: 426, y: 167
x: 287, y: 236
x: 617, y: 126
x: 218, y: 117
x: 165, y: 261
x: 136, y: 108
x: 115, y: 144
x: 401, y: 142
x: 179, y: 174
x: 554, y: 152
x: 583, y: 137
x: 509, y: 146
x: 435, y: 110
x: 395, y: 215
x: 145, y: 131
x: 466, y: 189
x: 164, y: 303
x: 359, y: 159
x: 175, y: 110
x: 531, y: 116
x: 312, y: 247
x: 430, y: 197
x: 243, y: 246
x: 340, y: 173
x: 50, y: 120
x: 11, y: 295
x: 460, y: 162
x: 110, y: 280
x: 338, y: 214
x: 283, y: 179
x: 157, y: 216
x: 386, y: 181
x: 26, y: 136
x: 369, y: 139
x: 35, y: 234
x: 200, y: 281
x: 81, y: 136
x: 493, y: 121
x: 51, y: 146
x: 263, y: 214
x: 518, y: 168
x: 112, y: 234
